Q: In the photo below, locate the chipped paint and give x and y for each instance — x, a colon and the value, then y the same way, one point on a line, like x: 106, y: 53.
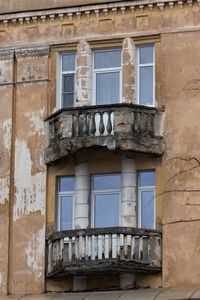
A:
x: 35, y: 253
x: 37, y: 122
x: 4, y: 190
x: 7, y: 124
x: 30, y: 193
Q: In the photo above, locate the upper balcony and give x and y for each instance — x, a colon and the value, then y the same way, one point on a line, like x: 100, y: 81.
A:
x: 104, y: 250
x: 125, y: 127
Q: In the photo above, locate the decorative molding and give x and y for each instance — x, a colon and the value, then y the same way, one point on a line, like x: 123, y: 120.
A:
x: 29, y: 52
x: 6, y: 54
x: 88, y: 10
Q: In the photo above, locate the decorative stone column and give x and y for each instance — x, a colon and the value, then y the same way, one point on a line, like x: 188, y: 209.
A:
x: 83, y: 74
x: 81, y: 212
x: 128, y: 207
x: 128, y: 71
x: 128, y: 204
x: 82, y: 196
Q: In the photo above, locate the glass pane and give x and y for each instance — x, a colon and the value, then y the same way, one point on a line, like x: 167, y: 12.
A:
x: 106, y: 210
x: 68, y: 83
x: 147, y: 209
x: 66, y: 184
x: 68, y: 62
x: 68, y: 100
x: 107, y: 88
x: 66, y: 211
x: 147, y: 178
x: 107, y: 59
x: 146, y: 54
x: 146, y: 86
x: 107, y: 182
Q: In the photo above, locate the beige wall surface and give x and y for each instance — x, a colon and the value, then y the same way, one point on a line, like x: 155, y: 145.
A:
x: 27, y: 5
x: 181, y: 161
x: 178, y: 86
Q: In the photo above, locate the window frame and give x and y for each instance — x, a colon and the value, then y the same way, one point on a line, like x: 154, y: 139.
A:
x: 60, y: 74
x: 104, y: 192
x: 139, y: 193
x: 59, y: 197
x: 138, y: 66
x: 105, y: 70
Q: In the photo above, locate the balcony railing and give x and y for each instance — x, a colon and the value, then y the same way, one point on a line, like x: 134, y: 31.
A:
x: 118, y: 126
x: 100, y: 250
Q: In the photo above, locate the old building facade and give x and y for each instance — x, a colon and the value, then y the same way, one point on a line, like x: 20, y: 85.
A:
x: 99, y: 152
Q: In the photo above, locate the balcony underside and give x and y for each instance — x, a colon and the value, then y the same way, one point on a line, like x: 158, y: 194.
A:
x: 61, y: 148
x: 105, y: 266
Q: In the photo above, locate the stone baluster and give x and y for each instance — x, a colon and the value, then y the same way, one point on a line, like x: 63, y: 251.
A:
x: 92, y: 125
x: 101, y: 124
x: 75, y: 127
x: 109, y: 123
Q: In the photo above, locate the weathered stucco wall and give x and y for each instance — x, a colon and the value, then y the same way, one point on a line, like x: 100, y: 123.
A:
x: 32, y: 95
x: 181, y: 176
x: 6, y: 92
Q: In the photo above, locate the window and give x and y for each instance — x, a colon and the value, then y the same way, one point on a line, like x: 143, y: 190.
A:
x: 67, y: 81
x: 146, y: 199
x: 107, y: 76
x: 146, y: 75
x: 106, y: 199
x: 66, y: 191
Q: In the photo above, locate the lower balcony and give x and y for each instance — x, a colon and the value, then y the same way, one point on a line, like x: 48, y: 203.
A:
x: 125, y: 127
x: 104, y: 250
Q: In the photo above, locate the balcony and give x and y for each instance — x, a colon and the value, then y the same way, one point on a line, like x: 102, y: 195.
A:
x: 125, y: 127
x: 104, y: 250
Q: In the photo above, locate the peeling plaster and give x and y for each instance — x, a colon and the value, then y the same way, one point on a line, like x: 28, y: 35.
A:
x: 7, y: 124
x: 4, y: 190
x: 35, y: 253
x: 30, y: 188
x: 37, y: 125
x: 2, y: 281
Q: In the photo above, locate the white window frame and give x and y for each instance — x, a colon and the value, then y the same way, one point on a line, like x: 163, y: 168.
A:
x: 146, y: 189
x: 106, y: 70
x: 60, y: 73
x: 138, y: 73
x: 103, y: 192
x: 59, y: 197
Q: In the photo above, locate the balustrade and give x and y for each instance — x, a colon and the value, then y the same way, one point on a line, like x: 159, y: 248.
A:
x: 136, y: 248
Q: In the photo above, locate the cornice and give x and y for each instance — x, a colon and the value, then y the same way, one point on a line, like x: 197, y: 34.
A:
x: 97, y: 10
x: 29, y: 52
x: 6, y: 54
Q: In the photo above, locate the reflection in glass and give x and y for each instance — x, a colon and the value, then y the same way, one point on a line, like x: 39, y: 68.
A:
x: 106, y: 210
x: 66, y: 184
x: 107, y: 88
x: 107, y: 182
x: 146, y: 54
x: 107, y: 59
x: 147, y: 209
x: 68, y: 62
x: 146, y: 85
x: 66, y: 209
x: 147, y: 178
